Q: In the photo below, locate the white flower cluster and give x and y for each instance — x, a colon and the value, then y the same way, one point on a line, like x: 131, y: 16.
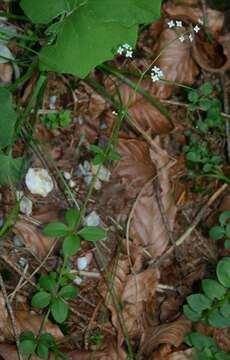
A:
x: 156, y: 74
x: 125, y: 50
x: 178, y: 24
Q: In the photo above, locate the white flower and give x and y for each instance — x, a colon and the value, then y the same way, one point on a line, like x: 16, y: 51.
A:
x: 181, y: 38
x: 154, y: 78
x: 125, y: 50
x: 120, y: 50
x: 196, y: 29
x: 171, y: 24
x: 156, y: 74
x: 190, y: 37
x: 127, y: 47
x: 200, y: 21
x: 156, y: 69
x: 179, y: 24
x: 129, y: 54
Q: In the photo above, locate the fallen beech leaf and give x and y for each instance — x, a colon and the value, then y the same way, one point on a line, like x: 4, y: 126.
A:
x: 172, y: 333
x: 203, y: 59
x: 175, y: 60
x: 214, y: 18
x: 182, y: 355
x: 24, y: 321
x: 147, y: 228
x: 34, y: 240
x: 165, y: 353
x: 135, y: 165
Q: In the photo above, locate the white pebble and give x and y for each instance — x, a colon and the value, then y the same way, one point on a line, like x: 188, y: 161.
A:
x: 26, y: 204
x: 103, y: 174
x: 72, y: 183
x: 67, y: 175
x: 82, y: 263
x: 92, y: 219
x: 77, y: 280
x: 39, y: 181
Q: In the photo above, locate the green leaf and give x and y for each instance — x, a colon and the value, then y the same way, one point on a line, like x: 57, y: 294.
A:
x: 193, y: 156
x: 227, y: 244
x: 68, y: 292
x: 115, y: 156
x: 8, y: 118
x: 72, y: 217
x: 225, y: 308
x: 206, y: 89
x: 41, y: 299
x: 190, y: 314
x: 48, y: 283
x: 96, y: 33
x: 71, y: 245
x: 213, y: 289
x: 59, y: 310
x: 27, y: 335
x: 193, y: 96
x: 27, y: 347
x: 42, y: 351
x: 98, y: 159
x: 56, y: 229
x: 199, y: 341
x: 205, y: 104
x: 92, y: 233
x: 223, y: 271
x: 47, y: 339
x: 65, y: 118
x: 10, y: 169
x: 224, y: 216
x: 216, y: 233
x: 43, y: 11
x: 227, y: 231
x: 216, y: 319
x: 96, y: 149
x: 199, y: 302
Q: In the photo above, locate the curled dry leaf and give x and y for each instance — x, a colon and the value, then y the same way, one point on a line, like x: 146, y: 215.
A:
x: 24, y: 321
x: 175, y: 61
x: 214, y: 18
x: 165, y: 353
x: 172, y: 333
x: 34, y: 240
x: 148, y: 228
x: 181, y: 355
x: 141, y: 110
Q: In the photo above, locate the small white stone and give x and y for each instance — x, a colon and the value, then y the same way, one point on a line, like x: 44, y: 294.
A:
x: 97, y: 185
x: 22, y: 262
x: 77, y: 280
x: 26, y: 204
x: 39, y: 181
x: 103, y: 174
x: 72, y: 183
x: 67, y: 175
x: 82, y: 263
x: 92, y: 219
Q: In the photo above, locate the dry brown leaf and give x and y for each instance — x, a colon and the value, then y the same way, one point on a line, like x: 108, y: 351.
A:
x: 24, y: 321
x: 148, y: 228
x: 175, y: 61
x: 165, y: 353
x: 6, y: 73
x: 172, y: 333
x: 135, y: 166
x: 214, y: 18
x: 34, y: 240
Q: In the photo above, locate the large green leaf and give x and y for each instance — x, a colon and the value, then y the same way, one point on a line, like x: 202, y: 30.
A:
x: 91, y: 33
x: 43, y: 11
x: 10, y: 169
x: 7, y: 119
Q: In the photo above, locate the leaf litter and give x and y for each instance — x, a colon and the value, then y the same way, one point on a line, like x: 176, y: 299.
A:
x: 137, y: 204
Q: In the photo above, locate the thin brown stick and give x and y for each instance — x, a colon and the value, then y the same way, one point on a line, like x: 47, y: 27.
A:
x: 11, y: 316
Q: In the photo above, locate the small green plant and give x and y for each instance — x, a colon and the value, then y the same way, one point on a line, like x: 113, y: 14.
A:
x: 204, y: 347
x: 222, y: 231
x: 54, y: 289
x: 200, y: 160
x: 212, y: 304
x: 202, y: 99
x: 103, y: 154
x: 55, y: 120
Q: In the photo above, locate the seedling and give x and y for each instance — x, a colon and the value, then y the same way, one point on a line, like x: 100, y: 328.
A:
x: 222, y: 231
x: 101, y: 155
x: 55, y: 120
x: 203, y: 100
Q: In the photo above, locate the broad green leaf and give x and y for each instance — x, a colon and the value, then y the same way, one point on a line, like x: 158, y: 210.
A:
x: 224, y: 216
x: 10, y: 169
x: 223, y: 271
x: 190, y: 314
x: 43, y: 11
x: 193, y: 96
x: 227, y: 230
x: 225, y: 308
x: 41, y: 299
x: 27, y: 347
x: 71, y: 245
x: 72, y: 217
x: 96, y: 149
x: 92, y: 233
x: 216, y: 233
x: 42, y: 351
x: 59, y: 310
x: 98, y: 159
x: 206, y: 88
x: 48, y: 283
x: 47, y: 339
x: 8, y: 118
x: 115, y: 156
x: 91, y: 34
x: 199, y: 341
x: 56, y: 229
x: 222, y: 356
x: 199, y: 302
x: 27, y: 335
x: 68, y: 292
x: 213, y: 289
x: 216, y: 319
x: 227, y: 244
